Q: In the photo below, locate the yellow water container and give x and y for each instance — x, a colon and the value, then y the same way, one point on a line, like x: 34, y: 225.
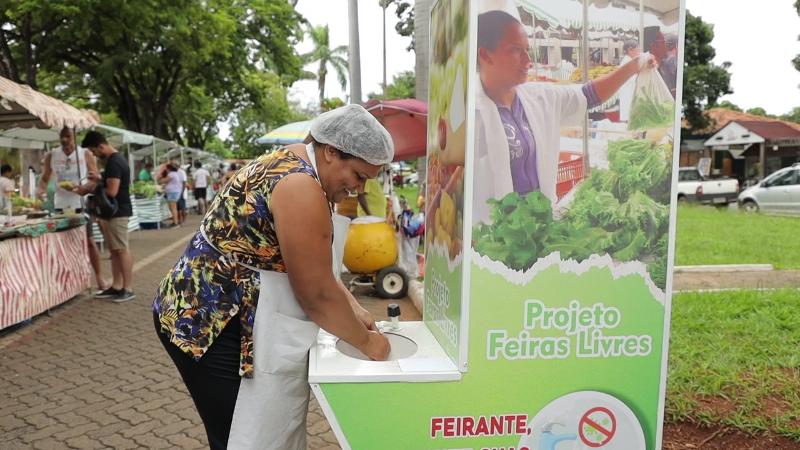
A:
x: 370, y: 245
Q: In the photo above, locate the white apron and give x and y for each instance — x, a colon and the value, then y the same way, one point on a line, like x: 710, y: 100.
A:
x: 271, y: 407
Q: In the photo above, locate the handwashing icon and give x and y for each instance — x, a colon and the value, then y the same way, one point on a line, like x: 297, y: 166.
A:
x: 550, y: 441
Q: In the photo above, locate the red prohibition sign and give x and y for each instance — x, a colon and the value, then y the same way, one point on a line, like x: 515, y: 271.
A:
x: 587, y: 421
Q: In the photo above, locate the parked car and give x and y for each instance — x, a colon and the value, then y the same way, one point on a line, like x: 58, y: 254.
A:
x: 778, y: 193
x: 693, y: 186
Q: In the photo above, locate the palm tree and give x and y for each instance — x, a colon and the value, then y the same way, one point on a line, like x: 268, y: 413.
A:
x: 325, y: 55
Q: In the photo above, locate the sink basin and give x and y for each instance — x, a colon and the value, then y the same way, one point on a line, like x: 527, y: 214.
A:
x: 401, y: 347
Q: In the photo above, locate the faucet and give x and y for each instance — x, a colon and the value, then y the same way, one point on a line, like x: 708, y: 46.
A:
x: 550, y: 441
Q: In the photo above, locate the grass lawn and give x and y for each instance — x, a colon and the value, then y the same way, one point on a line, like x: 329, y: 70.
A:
x: 410, y: 192
x: 707, y: 235
x: 734, y: 360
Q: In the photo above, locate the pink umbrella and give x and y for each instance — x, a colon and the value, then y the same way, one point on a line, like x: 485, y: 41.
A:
x: 407, y: 121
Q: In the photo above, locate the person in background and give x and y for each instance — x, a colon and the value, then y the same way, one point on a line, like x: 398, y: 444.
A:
x: 228, y: 174
x: 116, y: 181
x: 201, y: 178
x: 372, y: 201
x: 70, y: 164
x: 146, y: 174
x: 631, y: 50
x: 181, y: 204
x: 7, y: 187
x: 421, y: 198
x: 670, y: 63
x: 173, y: 187
x: 654, y: 43
x: 242, y: 306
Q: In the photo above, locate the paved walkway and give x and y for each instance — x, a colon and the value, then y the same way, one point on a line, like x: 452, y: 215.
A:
x: 770, y: 279
x: 93, y: 374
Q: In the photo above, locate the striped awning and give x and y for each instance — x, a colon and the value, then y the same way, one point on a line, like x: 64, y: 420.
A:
x: 291, y: 133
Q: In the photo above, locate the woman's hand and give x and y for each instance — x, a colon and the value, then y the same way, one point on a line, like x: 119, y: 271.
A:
x: 376, y: 347
x: 646, y: 61
x: 365, y: 317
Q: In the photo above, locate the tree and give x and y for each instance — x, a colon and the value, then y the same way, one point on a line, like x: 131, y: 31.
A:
x: 405, y: 15
x: 262, y: 108
x: 704, y: 82
x: 324, y: 55
x: 759, y: 111
x: 171, y: 69
x: 728, y: 105
x: 792, y: 116
x: 402, y: 86
x: 796, y: 60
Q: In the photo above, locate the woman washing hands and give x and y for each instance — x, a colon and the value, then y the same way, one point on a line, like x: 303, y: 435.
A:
x: 240, y: 309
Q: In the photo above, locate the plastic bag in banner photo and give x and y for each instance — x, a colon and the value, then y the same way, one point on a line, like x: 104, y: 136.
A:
x: 653, y: 105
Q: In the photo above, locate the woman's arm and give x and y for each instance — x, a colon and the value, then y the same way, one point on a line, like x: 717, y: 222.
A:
x: 606, y: 85
x: 303, y: 226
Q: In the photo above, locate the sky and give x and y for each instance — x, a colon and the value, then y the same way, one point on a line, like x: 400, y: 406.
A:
x: 334, y: 14
x: 760, y: 38
x: 760, y: 41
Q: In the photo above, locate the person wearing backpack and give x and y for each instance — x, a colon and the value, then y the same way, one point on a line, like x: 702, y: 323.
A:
x: 115, y: 184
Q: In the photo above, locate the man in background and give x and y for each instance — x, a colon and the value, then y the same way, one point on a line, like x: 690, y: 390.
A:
x: 116, y: 180
x: 72, y: 166
x: 200, y: 177
x: 372, y: 202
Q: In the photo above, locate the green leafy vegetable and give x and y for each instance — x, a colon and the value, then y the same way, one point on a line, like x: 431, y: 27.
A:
x: 612, y: 213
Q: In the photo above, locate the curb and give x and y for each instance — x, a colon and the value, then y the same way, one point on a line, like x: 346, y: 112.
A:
x: 725, y: 268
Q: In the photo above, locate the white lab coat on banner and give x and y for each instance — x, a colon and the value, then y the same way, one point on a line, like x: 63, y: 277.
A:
x: 547, y: 107
x: 271, y: 407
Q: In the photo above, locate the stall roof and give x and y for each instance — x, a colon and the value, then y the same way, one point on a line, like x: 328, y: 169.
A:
x: 123, y: 136
x: 23, y: 107
x: 569, y: 14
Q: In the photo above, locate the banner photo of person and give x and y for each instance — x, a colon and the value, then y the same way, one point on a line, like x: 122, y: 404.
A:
x: 577, y: 149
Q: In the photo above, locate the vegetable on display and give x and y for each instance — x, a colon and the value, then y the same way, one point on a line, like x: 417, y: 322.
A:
x: 144, y: 189
x: 622, y: 211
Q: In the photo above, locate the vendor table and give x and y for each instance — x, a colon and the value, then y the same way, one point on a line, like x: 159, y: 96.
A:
x: 151, y: 210
x: 43, y: 263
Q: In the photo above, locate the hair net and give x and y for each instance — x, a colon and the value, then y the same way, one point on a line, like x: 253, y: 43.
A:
x: 353, y: 130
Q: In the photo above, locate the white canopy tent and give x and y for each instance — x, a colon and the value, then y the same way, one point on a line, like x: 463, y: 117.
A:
x: 569, y: 14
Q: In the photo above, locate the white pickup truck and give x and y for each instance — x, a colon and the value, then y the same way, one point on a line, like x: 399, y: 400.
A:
x: 693, y: 186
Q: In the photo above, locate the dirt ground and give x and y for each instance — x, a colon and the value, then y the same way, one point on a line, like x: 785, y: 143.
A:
x: 680, y: 436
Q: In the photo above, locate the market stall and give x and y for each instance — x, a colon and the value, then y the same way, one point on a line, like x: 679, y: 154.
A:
x: 43, y: 260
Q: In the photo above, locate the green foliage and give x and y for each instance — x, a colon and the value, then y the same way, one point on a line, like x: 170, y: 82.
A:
x: 405, y: 14
x: 218, y: 147
x: 144, y: 189
x: 263, y: 107
x: 331, y: 103
x: 612, y: 212
x: 796, y: 60
x: 736, y: 238
x: 323, y: 55
x: 703, y: 81
x: 733, y: 361
x: 793, y: 115
x: 402, y: 86
x: 648, y: 113
x: 171, y: 69
x: 728, y: 105
x: 759, y: 111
